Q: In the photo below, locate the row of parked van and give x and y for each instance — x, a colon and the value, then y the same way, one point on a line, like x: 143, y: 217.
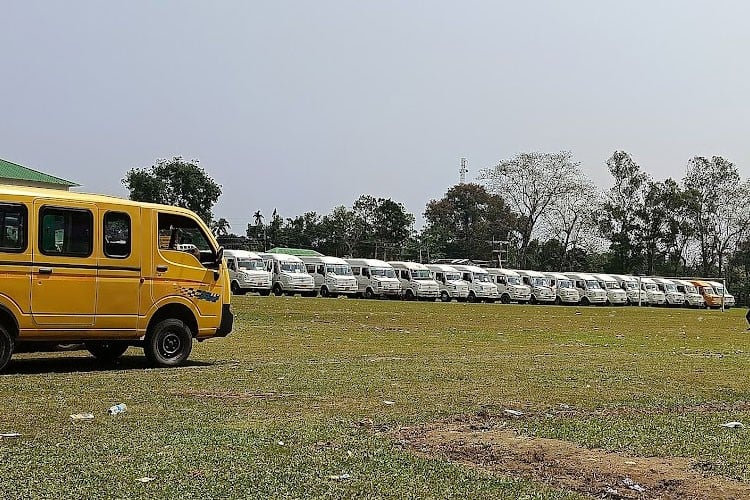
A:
x: 310, y: 276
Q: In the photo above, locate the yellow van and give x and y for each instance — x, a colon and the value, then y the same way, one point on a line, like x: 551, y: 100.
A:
x: 109, y: 273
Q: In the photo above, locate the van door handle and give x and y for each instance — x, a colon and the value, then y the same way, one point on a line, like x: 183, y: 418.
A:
x: 161, y: 269
x: 45, y: 270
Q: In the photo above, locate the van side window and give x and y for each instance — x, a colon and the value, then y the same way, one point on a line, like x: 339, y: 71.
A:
x: 321, y: 269
x: 177, y: 232
x: 66, y: 231
x: 404, y: 274
x: 467, y: 277
x: 310, y: 268
x: 355, y: 271
x: 230, y: 264
x: 366, y: 272
x: 117, y: 235
x: 12, y: 227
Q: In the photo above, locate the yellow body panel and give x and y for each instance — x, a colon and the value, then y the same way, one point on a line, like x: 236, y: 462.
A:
x: 705, y: 289
x: 92, y: 293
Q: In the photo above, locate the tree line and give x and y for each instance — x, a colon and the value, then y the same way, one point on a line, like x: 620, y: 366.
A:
x: 534, y: 210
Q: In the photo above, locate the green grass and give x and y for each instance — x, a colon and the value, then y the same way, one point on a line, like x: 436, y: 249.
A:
x: 314, y: 374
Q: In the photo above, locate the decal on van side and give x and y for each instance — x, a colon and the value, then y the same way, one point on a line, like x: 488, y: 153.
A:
x: 197, y: 294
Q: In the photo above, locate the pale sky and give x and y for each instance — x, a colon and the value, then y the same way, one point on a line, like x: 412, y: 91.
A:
x: 306, y: 105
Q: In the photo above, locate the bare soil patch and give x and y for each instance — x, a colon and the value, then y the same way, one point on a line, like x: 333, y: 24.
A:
x: 488, y: 444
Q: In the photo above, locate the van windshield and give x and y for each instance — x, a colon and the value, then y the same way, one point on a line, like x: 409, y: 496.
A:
x: 293, y: 267
x: 719, y: 290
x: 339, y: 269
x: 250, y: 264
x: 592, y: 285
x: 484, y: 278
x: 612, y: 285
x: 649, y: 286
x: 452, y: 276
x: 421, y: 274
x: 690, y: 289
x: 564, y: 284
x: 631, y: 285
x: 383, y: 272
x: 670, y: 287
x: 540, y: 281
x: 514, y: 280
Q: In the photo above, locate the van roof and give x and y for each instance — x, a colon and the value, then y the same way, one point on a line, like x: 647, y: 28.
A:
x: 442, y: 267
x: 529, y: 272
x: 243, y: 254
x: 281, y: 257
x: 557, y: 276
x: 323, y: 259
x: 368, y: 263
x: 604, y: 277
x: 473, y: 269
x: 503, y: 271
x: 581, y: 276
x: 407, y: 265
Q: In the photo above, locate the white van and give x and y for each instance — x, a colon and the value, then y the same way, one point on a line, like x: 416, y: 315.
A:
x: 416, y: 281
x: 333, y: 276
x: 655, y: 296
x: 510, y: 287
x: 693, y: 298
x: 729, y: 300
x: 589, y: 289
x: 616, y: 296
x: 672, y: 295
x: 247, y: 272
x: 565, y: 292
x: 288, y: 275
x: 630, y: 285
x: 481, y: 287
x: 375, y: 278
x: 449, y: 280
x: 541, y: 289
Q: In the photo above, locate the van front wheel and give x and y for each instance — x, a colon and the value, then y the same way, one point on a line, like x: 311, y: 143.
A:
x: 106, y: 351
x: 6, y: 347
x: 169, y: 343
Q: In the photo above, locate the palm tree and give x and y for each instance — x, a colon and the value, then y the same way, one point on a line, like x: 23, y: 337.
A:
x: 258, y: 218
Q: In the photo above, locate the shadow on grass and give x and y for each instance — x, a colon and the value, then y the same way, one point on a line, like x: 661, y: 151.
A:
x: 38, y: 363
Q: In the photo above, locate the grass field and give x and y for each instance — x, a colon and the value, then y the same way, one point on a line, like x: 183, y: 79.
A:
x: 305, y: 391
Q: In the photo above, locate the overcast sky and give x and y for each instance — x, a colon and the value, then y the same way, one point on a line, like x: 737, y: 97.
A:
x: 306, y: 105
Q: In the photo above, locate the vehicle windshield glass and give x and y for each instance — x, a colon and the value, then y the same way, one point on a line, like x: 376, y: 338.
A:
x: 592, y: 284
x: 539, y: 281
x: 293, y: 267
x: 690, y: 289
x: 564, y: 284
x: 339, y: 269
x: 250, y: 264
x: 708, y: 290
x: 719, y: 290
x: 611, y: 285
x: 514, y: 280
x: 649, y: 286
x: 631, y: 285
x: 484, y: 278
x: 421, y: 274
x: 452, y: 276
x: 670, y: 287
x: 383, y: 272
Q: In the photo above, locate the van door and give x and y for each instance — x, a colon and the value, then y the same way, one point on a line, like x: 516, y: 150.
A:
x: 188, y: 273
x: 119, y: 278
x: 64, y: 270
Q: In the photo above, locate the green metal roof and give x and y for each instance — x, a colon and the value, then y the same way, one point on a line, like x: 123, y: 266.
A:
x: 299, y: 252
x: 10, y: 170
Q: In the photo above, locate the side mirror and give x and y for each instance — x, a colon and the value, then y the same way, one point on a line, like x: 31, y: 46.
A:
x: 219, y: 256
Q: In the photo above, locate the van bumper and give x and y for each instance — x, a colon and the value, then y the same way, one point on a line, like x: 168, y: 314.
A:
x: 227, y: 320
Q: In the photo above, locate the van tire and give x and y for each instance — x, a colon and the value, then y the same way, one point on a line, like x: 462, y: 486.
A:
x: 585, y: 301
x: 107, y: 351
x: 444, y: 296
x: 323, y: 291
x: 471, y: 298
x: 277, y: 290
x: 409, y: 295
x: 168, y: 343
x: 505, y: 298
x: 369, y: 293
x: 558, y: 301
x: 6, y: 346
x: 265, y: 293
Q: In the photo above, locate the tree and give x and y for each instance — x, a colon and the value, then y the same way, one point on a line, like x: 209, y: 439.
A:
x: 720, y: 210
x: 619, y: 219
x: 174, y: 182
x: 221, y: 227
x: 530, y: 183
x: 465, y: 221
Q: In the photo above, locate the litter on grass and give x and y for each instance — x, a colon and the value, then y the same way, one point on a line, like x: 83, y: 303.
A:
x: 82, y: 416
x: 145, y: 479
x: 386, y: 402
x: 10, y: 435
x: 513, y: 413
x: 633, y: 485
x: 733, y: 425
x: 339, y: 477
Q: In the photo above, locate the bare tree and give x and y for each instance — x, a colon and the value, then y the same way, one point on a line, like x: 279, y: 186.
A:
x: 530, y: 183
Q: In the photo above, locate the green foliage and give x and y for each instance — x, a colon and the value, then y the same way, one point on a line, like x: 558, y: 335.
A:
x: 175, y: 182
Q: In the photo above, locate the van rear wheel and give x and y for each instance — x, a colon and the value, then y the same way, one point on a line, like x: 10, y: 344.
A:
x: 277, y: 290
x: 169, y: 343
x: 106, y: 351
x: 368, y: 293
x: 6, y: 347
x: 505, y: 299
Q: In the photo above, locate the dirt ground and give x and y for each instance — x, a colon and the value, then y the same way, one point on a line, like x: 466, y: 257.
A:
x: 486, y: 443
